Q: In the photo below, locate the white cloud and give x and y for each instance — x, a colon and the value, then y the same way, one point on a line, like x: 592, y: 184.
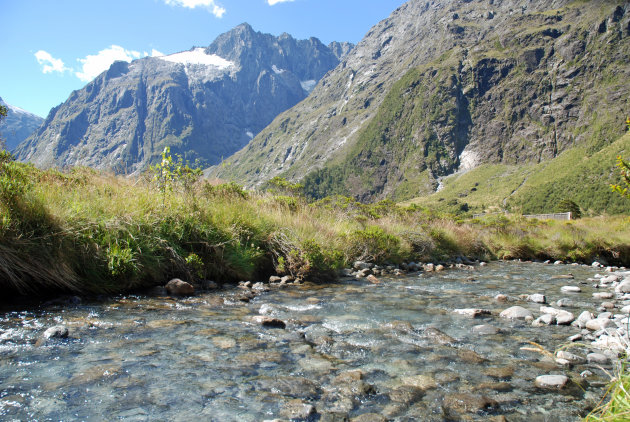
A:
x: 155, y: 53
x: 272, y: 2
x: 94, y: 65
x: 211, y: 5
x: 49, y: 63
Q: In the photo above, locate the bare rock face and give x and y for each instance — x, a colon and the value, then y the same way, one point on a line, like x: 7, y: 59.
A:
x: 205, y: 103
x: 17, y: 125
x: 179, y: 287
x: 424, y: 95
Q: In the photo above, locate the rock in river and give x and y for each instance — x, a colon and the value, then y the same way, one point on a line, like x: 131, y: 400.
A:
x: 58, y: 331
x: 267, y: 321
x: 570, y: 289
x: 516, y: 312
x: 179, y: 287
x: 551, y: 381
x: 472, y: 312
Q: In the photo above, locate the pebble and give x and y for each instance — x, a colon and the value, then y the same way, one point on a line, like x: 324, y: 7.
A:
x: 545, y: 319
x: 599, y: 324
x: 485, y: 330
x: 623, y: 287
x: 570, y: 289
x: 501, y: 298
x: 571, y: 357
x: 472, y: 312
x: 562, y: 303
x: 551, y: 381
x: 603, y: 295
x: 179, y: 287
x: 537, y: 298
x: 267, y: 321
x: 598, y: 358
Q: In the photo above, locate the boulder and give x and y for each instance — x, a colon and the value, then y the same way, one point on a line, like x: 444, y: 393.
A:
x: 179, y: 287
x: 583, y: 319
x: 564, y: 318
x: 623, y: 287
x: 501, y: 298
x: 439, y: 267
x: 545, y: 319
x: 275, y: 279
x: 599, y: 324
x: 58, y: 331
x: 516, y: 312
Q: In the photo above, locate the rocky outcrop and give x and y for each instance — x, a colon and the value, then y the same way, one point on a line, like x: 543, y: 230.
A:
x: 205, y: 103
x: 448, y: 85
x: 17, y: 125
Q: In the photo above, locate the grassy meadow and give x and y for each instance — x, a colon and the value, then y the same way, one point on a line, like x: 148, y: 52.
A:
x: 85, y: 232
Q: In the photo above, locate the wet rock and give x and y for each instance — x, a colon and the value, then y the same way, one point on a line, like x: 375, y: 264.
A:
x: 275, y: 279
x: 369, y: 417
x: 564, y: 318
x: 423, y: 382
x: 245, y: 296
x: 470, y: 356
x: 351, y: 383
x: 501, y: 298
x: 439, y: 268
x: 571, y: 357
x: 406, y: 394
x: 372, y: 279
x: 537, y: 298
x: 363, y: 273
x: 576, y: 337
x: 472, y: 312
x: 260, y: 287
x: 563, y: 277
x: 551, y: 381
x: 179, y: 287
x: 570, y: 289
x: 545, y: 319
x: 224, y: 342
x: 467, y: 403
x: 286, y: 279
x: 295, y: 387
x: 608, y: 305
x: 603, y: 295
x: 58, y: 331
x: 599, y: 324
x: 495, y: 386
x: 583, y: 318
x: 297, y: 409
x: 609, y: 279
x: 625, y: 309
x: 564, y: 302
x: 438, y: 336
x: 269, y: 322
x: 598, y: 358
x: 429, y: 268
x: 516, y: 312
x: 485, y: 330
x: 623, y: 287
x: 504, y: 372
x: 332, y: 416
x: 610, y: 342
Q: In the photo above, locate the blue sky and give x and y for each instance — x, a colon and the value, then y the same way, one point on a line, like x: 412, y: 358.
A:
x: 49, y: 48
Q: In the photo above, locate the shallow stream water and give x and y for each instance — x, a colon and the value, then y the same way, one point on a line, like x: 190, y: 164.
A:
x: 349, y: 348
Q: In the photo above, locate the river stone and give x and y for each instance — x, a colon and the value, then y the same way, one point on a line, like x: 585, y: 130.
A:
x: 363, y: 273
x: 563, y: 277
x: 361, y: 265
x: 472, y: 312
x: 179, y: 287
x: 537, y: 298
x: 608, y: 305
x: 516, y: 312
x: 274, y: 279
x: 605, y: 315
x: 545, y: 319
x: 564, y: 302
x: 571, y: 357
x: 438, y: 336
x: 551, y: 381
x: 603, y: 295
x: 423, y: 382
x: 485, y: 330
x: 297, y: 409
x: 599, y: 324
x: 609, y: 279
x: 501, y: 298
x: 369, y: 417
x: 623, y: 287
x: 470, y: 356
x: 372, y: 279
x: 58, y: 331
x: 269, y: 322
x: 467, y: 403
x: 406, y: 394
x: 439, y: 268
x: 625, y: 309
x: 503, y: 372
x: 564, y: 318
x: 570, y: 289
x: 598, y: 358
x: 584, y: 317
x: 224, y: 342
x: 295, y: 387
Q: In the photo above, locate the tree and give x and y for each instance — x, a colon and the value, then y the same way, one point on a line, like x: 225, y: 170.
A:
x: 567, y: 205
x: 623, y: 189
x: 3, y: 113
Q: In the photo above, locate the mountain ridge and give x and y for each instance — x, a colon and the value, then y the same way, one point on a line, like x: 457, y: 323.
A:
x: 205, y: 103
x: 18, y: 125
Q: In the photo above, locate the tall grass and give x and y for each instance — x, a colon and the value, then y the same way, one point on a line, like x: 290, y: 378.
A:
x: 86, y: 232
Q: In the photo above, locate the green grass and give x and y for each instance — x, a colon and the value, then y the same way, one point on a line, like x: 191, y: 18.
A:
x: 89, y: 233
x: 616, y: 406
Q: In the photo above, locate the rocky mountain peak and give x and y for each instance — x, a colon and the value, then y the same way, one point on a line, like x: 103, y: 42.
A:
x: 17, y: 125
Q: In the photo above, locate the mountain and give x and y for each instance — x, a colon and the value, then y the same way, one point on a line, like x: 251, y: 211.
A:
x: 205, y: 103
x: 445, y: 86
x: 17, y: 125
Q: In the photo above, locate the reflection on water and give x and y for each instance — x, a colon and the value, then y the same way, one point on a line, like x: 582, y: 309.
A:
x: 394, y: 349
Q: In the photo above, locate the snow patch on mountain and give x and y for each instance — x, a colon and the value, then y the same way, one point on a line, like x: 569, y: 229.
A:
x: 309, y: 85
x: 198, y: 56
x: 276, y: 70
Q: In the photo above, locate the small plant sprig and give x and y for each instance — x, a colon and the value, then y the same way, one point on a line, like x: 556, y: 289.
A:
x: 624, y: 169
x: 169, y: 171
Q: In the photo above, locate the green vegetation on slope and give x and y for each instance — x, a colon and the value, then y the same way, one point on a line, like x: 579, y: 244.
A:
x: 538, y: 188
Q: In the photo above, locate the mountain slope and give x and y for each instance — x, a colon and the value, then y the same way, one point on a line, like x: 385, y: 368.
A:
x: 205, y: 103
x: 449, y: 85
x: 17, y: 125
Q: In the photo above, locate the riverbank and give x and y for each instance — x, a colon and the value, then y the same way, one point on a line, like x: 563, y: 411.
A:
x: 83, y: 232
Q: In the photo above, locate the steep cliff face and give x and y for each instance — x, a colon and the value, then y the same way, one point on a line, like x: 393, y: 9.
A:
x: 17, y: 125
x: 448, y: 85
x: 204, y: 103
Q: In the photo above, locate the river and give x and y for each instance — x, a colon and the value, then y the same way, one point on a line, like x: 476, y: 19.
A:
x: 353, y: 349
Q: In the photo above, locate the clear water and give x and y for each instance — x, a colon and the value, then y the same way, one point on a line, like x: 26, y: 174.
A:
x: 146, y: 358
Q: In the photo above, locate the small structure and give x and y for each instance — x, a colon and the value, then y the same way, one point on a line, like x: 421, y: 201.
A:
x: 554, y: 216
